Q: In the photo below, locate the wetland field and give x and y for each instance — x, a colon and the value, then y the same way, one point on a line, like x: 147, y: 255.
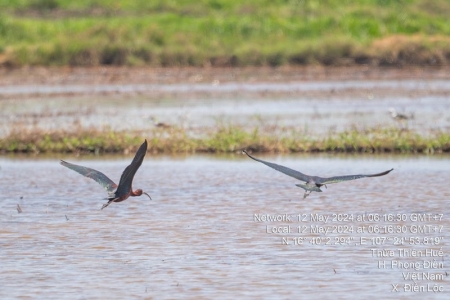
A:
x: 219, y: 224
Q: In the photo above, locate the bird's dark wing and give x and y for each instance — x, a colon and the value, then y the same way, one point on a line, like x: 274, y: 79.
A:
x: 282, y: 169
x: 336, y: 179
x: 128, y: 174
x: 101, y: 178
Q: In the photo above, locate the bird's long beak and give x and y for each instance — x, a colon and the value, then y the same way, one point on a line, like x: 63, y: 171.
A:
x: 147, y: 195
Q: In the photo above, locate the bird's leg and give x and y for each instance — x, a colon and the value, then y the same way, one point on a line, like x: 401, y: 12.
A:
x: 306, y: 194
x: 106, y: 205
x: 325, y: 186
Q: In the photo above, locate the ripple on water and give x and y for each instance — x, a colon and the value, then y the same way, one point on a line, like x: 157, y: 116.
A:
x: 198, y: 237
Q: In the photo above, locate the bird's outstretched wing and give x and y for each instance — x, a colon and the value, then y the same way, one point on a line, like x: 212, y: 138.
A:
x: 128, y: 174
x: 336, y: 179
x: 101, y: 178
x: 296, y: 174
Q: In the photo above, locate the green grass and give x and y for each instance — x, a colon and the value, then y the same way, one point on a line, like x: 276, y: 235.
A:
x: 225, y: 138
x: 223, y: 32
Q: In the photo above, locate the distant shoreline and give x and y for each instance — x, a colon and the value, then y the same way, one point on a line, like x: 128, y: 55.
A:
x: 41, y: 75
x: 223, y: 139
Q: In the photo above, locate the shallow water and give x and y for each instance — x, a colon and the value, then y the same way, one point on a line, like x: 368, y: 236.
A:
x: 422, y: 84
x: 202, y: 235
x: 312, y: 107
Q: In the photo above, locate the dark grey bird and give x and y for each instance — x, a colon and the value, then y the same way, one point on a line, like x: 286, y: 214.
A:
x: 116, y: 193
x: 313, y: 183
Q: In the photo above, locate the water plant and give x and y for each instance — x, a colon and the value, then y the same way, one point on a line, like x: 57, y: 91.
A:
x: 224, y: 138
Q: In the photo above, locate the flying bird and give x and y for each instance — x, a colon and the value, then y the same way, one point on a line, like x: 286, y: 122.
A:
x: 116, y: 193
x: 313, y: 183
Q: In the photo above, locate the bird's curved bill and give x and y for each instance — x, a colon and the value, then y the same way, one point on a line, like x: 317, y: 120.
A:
x: 147, y: 195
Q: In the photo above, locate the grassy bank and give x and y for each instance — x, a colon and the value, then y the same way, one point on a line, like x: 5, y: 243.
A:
x: 225, y: 139
x: 224, y: 32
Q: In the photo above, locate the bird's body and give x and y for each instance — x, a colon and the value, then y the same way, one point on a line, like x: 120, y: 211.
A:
x: 313, y: 183
x: 399, y: 116
x: 116, y: 193
x: 160, y: 124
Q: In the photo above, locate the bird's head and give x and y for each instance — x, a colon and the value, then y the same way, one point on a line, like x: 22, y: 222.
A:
x: 393, y: 112
x: 139, y: 192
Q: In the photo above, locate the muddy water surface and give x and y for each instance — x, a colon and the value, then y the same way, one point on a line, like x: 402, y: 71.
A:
x: 207, y: 232
x: 314, y: 107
